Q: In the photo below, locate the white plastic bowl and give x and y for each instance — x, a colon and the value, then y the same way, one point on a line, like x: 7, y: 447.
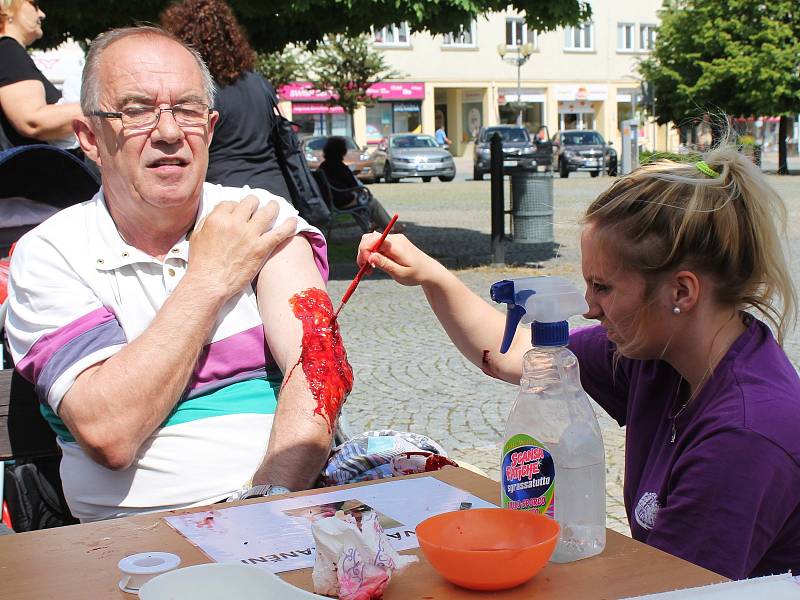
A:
x: 214, y: 581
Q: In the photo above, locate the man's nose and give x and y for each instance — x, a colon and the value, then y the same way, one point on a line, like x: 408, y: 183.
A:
x: 167, y: 128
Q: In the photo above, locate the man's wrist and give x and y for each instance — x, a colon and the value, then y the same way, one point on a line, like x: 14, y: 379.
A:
x: 258, y: 491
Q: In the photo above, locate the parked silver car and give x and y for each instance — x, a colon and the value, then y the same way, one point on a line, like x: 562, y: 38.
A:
x: 413, y: 155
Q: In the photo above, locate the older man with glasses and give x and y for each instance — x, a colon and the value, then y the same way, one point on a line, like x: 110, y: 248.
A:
x: 155, y: 319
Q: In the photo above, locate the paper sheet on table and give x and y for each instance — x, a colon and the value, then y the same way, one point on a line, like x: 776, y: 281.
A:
x: 774, y: 587
x: 277, y: 535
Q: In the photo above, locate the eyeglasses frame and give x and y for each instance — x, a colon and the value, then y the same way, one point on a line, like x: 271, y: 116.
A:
x: 119, y: 115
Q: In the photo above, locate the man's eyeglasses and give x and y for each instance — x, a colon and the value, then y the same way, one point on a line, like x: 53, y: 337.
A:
x: 142, y: 118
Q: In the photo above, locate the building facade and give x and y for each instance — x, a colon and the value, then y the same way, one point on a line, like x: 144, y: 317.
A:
x: 573, y: 78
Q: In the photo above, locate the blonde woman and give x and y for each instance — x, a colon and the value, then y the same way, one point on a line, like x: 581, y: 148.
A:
x: 678, y: 261
x: 29, y: 113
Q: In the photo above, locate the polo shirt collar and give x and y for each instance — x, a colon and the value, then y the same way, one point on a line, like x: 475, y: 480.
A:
x: 111, y: 251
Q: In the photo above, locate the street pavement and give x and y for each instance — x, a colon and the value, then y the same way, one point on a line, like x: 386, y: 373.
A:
x: 410, y: 377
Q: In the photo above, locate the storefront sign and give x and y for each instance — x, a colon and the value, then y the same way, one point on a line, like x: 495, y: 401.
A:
x: 509, y: 95
x: 309, y: 108
x: 587, y: 91
x: 397, y: 91
x: 304, y: 92
x: 406, y: 107
x: 472, y: 96
x: 582, y: 107
x: 625, y: 95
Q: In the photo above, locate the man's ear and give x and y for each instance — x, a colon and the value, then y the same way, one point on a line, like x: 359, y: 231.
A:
x: 212, y: 122
x: 86, y: 138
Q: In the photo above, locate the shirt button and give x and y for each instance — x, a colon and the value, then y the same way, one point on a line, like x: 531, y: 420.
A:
x: 100, y: 261
x: 171, y: 272
x: 124, y: 255
x: 175, y: 250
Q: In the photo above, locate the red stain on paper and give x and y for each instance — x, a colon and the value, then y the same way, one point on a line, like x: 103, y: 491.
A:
x: 206, y: 521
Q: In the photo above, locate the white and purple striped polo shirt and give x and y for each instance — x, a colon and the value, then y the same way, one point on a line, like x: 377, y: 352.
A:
x: 78, y: 293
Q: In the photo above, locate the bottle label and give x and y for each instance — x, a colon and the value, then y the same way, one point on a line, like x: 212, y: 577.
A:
x: 529, y: 476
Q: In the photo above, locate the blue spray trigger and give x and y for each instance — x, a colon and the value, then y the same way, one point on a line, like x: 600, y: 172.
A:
x: 514, y: 314
x: 504, y: 292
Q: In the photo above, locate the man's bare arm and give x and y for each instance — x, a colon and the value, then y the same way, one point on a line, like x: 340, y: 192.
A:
x: 300, y: 441
x: 113, y: 407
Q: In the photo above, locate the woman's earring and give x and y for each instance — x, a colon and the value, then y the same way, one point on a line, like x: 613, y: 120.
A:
x: 676, y: 310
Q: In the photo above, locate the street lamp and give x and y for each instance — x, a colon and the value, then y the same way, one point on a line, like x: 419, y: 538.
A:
x: 523, y: 53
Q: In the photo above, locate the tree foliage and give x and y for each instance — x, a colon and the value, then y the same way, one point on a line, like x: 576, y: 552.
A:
x: 740, y: 57
x: 283, y: 67
x: 274, y: 24
x: 346, y: 67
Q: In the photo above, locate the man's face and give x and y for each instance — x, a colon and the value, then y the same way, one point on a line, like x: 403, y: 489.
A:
x: 162, y: 168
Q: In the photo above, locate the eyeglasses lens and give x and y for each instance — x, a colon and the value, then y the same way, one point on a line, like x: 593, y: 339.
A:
x: 185, y: 115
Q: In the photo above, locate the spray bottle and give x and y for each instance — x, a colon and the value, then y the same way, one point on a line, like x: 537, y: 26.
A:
x: 552, y: 459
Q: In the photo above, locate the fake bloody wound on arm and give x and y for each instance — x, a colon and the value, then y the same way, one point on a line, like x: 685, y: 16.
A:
x: 324, y: 360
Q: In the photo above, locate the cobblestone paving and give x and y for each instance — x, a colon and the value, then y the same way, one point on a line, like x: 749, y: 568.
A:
x: 408, y: 374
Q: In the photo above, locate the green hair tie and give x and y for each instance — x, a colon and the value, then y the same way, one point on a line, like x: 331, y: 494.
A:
x: 705, y: 169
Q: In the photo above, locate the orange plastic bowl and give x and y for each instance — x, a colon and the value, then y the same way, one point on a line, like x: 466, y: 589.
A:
x: 488, y: 548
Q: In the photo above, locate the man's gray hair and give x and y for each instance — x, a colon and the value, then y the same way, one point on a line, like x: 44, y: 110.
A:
x: 90, y: 88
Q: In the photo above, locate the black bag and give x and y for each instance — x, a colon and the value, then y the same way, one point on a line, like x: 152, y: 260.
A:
x: 305, y: 194
x: 33, y: 501
x: 5, y: 144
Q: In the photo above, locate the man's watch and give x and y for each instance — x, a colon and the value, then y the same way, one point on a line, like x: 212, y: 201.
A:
x: 257, y: 491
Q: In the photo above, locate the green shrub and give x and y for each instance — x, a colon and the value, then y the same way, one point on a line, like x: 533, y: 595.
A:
x: 747, y: 141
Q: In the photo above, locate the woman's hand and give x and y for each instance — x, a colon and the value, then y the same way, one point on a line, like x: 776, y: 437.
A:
x: 399, y: 258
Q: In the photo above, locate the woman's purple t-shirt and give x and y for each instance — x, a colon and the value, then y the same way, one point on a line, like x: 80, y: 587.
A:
x: 725, y: 494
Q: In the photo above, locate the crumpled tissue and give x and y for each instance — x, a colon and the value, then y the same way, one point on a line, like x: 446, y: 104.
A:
x: 353, y: 563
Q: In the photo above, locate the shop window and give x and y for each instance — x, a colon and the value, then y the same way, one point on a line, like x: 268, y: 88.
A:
x: 379, y: 122
x: 532, y: 115
x: 392, y: 35
x: 647, y: 37
x: 568, y: 121
x: 464, y: 37
x: 406, y: 117
x: 518, y: 34
x: 625, y: 33
x: 579, y: 38
x: 624, y: 112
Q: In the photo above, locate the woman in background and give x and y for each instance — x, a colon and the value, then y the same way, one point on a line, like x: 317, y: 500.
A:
x: 241, y: 151
x: 29, y: 109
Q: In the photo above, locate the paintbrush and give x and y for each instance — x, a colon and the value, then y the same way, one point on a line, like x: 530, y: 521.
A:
x: 353, y: 284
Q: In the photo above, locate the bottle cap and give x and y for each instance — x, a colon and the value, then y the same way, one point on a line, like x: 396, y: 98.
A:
x: 550, y: 334
x: 138, y: 569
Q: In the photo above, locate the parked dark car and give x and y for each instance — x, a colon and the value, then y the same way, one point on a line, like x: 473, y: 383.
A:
x: 583, y: 150
x: 521, y: 151
x: 413, y: 155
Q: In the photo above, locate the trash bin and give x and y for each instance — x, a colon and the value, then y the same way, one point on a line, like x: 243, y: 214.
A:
x: 532, y: 208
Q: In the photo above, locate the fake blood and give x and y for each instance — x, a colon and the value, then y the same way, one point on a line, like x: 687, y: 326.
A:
x: 324, y: 360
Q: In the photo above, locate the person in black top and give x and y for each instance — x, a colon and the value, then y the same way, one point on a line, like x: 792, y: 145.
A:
x: 29, y: 113
x: 241, y: 151
x: 347, y: 191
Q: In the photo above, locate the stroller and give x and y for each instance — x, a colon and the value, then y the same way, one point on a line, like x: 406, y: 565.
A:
x: 35, y: 183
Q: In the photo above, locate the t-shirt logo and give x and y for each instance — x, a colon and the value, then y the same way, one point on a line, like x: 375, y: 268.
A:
x: 647, y: 509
